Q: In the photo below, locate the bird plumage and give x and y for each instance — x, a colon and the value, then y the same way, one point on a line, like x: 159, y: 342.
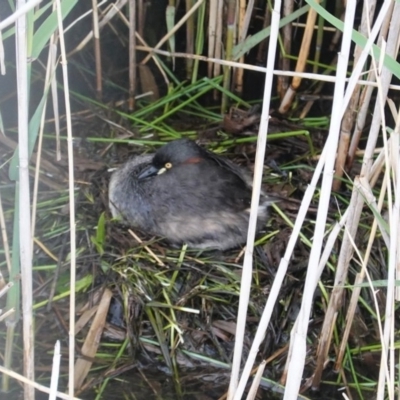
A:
x: 187, y: 195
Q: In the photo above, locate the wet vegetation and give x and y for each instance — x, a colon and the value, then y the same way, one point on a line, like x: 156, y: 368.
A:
x: 154, y: 320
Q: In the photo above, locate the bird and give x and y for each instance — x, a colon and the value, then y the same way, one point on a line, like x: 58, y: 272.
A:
x: 186, y: 194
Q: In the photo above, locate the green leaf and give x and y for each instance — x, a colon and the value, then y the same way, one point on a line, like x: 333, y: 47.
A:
x: 40, y: 40
x: 100, y: 237
x: 33, y: 130
x: 101, y: 229
x: 37, y: 15
x: 48, y: 27
x: 81, y: 285
x: 390, y: 63
x: 252, y: 41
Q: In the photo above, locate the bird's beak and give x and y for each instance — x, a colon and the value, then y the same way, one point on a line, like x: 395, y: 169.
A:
x: 148, y: 172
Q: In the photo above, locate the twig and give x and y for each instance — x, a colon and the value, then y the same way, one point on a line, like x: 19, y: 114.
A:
x: 159, y: 262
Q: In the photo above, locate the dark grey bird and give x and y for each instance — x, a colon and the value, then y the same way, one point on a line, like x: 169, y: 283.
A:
x: 186, y: 194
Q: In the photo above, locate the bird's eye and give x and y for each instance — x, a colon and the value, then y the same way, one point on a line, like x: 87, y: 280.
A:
x: 168, y: 165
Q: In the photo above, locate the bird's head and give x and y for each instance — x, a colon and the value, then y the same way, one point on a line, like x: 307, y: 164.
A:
x: 173, y: 155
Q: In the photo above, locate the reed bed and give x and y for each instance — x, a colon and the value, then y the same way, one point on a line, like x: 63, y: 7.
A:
x: 91, y: 309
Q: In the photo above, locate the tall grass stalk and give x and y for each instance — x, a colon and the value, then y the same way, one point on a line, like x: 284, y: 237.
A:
x: 236, y: 392
x: 25, y: 240
x: 71, y: 184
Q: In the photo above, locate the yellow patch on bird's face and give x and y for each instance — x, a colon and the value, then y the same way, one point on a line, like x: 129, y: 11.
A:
x: 161, y: 171
x: 167, y: 166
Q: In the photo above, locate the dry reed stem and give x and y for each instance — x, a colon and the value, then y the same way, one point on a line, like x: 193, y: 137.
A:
x: 85, y: 318
x: 55, y: 371
x: 238, y: 73
x: 174, y: 29
x: 45, y: 249
x: 97, y: 49
x: 49, y: 77
x: 330, y: 242
x: 334, y: 43
x: 301, y: 61
x: 363, y: 187
x: 218, y: 37
x: 378, y: 150
x: 147, y: 248
x: 156, y: 61
x: 54, y: 92
x: 92, y: 341
x: 356, y: 291
x: 305, y: 75
x: 33, y: 384
x: 230, y: 35
x: 84, y: 15
x: 116, y: 7
x: 344, y: 143
x: 71, y: 191
x: 379, y: 318
x: 283, y: 81
x: 243, y: 27
x: 350, y: 312
x: 299, y: 333
x: 395, y: 165
x: 388, y: 333
x: 356, y: 203
x: 141, y: 40
x: 245, y: 22
x: 25, y: 239
x: 6, y: 246
x: 355, y: 208
x: 281, y: 273
x: 365, y: 95
x: 2, y: 62
x: 190, y: 40
x: 256, y: 381
x: 235, y: 390
x: 305, y: 46
x: 141, y: 19
x: 387, y: 372
x: 19, y: 12
x: 306, y: 109
x: 212, y: 29
x: 350, y: 113
x: 132, y: 54
x: 11, y: 311
x: 262, y: 47
x: 363, y: 112
x: 384, y: 11
x: 5, y: 289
